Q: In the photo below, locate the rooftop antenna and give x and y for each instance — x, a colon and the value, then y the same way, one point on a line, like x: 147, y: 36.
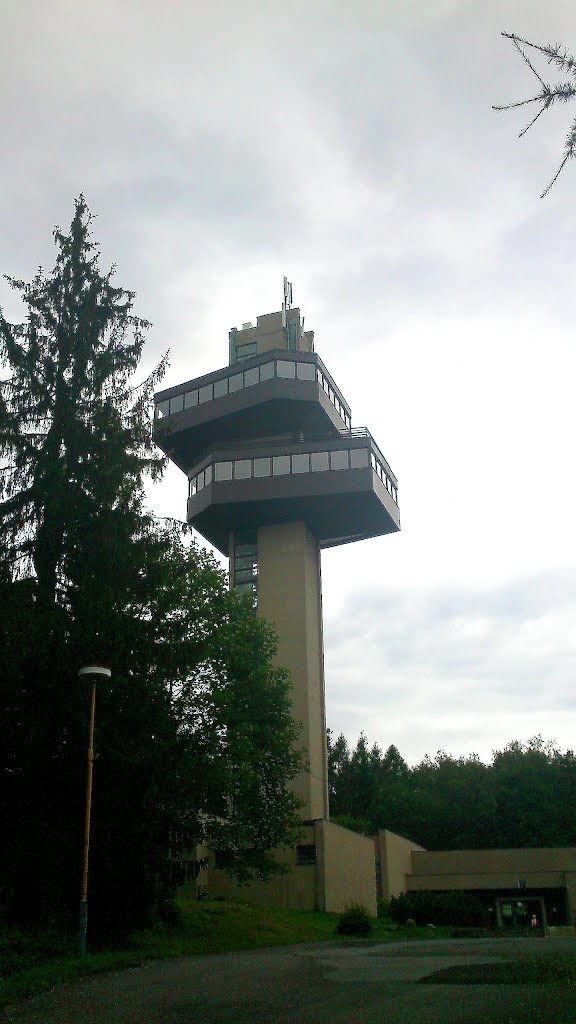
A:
x: 287, y: 300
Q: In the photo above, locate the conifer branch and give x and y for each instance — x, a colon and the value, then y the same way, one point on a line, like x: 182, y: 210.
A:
x: 562, y: 92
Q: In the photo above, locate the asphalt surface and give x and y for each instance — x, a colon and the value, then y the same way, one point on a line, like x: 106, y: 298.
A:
x: 314, y: 983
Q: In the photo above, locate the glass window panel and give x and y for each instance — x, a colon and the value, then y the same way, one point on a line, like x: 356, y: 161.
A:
x: 281, y: 465
x: 267, y: 371
x: 261, y: 467
x: 162, y: 409
x: 248, y: 562
x: 223, y: 471
x: 326, y: 387
x: 177, y: 403
x: 220, y: 388
x: 243, y: 575
x: 319, y: 461
x: 191, y: 487
x: 373, y: 461
x: 205, y: 393
x: 359, y: 458
x: 190, y: 399
x: 245, y: 588
x: 242, y: 469
x: 200, y: 481
x: 251, y: 376
x: 246, y: 551
x: 339, y: 460
x: 306, y: 371
x: 301, y: 463
x: 208, y: 473
x: 245, y: 351
x: 331, y: 395
x: 320, y: 378
x: 236, y: 382
x: 286, y: 369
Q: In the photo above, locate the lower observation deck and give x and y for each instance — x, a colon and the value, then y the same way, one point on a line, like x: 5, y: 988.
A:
x: 342, y: 487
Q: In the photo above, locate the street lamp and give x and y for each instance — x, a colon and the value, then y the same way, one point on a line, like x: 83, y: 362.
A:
x: 93, y: 672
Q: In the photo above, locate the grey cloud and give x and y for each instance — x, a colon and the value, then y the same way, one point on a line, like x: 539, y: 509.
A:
x: 453, y: 654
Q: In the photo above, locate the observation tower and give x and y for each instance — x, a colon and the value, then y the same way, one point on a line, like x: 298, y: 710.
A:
x: 276, y: 472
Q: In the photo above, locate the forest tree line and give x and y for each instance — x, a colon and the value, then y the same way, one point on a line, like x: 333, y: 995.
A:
x: 526, y: 795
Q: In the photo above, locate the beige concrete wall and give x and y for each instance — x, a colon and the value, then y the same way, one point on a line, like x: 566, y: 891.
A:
x: 543, y: 868
x: 394, y: 855
x: 487, y: 880
x: 289, y: 596
x: 297, y: 889
x: 269, y: 333
x: 516, y: 862
x: 346, y: 868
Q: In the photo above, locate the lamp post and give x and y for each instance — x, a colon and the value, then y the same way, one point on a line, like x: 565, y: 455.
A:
x: 92, y: 672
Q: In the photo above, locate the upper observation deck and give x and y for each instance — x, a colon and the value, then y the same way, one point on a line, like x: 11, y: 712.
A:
x: 277, y: 392
x: 269, y: 439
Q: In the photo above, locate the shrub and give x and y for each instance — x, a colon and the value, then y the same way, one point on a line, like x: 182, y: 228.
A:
x: 354, y: 920
x: 384, y: 908
x: 459, y: 908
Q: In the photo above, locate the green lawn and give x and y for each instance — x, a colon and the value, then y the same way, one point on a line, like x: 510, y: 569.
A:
x: 29, y: 965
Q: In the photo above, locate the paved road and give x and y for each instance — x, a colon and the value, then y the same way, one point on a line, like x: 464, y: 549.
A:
x: 310, y: 984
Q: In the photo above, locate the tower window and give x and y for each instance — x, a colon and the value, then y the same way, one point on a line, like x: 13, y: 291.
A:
x: 223, y: 471
x: 319, y: 461
x: 261, y: 467
x: 242, y: 469
x: 339, y: 460
x: 301, y: 463
x: 359, y: 458
x: 246, y: 350
x: 281, y: 465
x: 251, y: 376
x: 306, y: 371
x: 246, y: 564
x: 286, y: 369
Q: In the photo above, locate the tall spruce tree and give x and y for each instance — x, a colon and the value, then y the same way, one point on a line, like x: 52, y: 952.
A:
x: 87, y: 574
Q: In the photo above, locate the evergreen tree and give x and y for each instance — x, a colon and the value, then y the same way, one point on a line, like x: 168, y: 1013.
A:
x: 195, y: 726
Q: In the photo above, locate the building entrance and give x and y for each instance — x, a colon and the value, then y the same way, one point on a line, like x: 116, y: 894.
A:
x: 527, y: 914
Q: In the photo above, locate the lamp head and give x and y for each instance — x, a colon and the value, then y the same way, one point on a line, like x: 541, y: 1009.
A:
x: 95, y: 670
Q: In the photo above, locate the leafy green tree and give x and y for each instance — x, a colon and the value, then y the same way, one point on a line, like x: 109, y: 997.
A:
x: 525, y: 797
x: 194, y: 735
x: 548, y: 95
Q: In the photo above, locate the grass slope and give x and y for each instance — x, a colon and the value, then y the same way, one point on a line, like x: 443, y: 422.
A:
x: 30, y: 964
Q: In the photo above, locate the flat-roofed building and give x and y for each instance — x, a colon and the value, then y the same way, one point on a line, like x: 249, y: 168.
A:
x: 514, y: 885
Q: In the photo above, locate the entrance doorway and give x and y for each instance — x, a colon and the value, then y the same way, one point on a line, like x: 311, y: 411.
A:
x: 527, y: 914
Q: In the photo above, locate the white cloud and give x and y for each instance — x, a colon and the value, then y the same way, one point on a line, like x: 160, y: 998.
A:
x: 352, y: 147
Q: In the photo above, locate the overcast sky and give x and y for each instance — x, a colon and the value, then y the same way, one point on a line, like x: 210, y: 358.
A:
x: 352, y: 147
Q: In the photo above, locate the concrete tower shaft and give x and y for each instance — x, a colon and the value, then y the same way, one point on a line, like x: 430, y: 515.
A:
x: 276, y: 472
